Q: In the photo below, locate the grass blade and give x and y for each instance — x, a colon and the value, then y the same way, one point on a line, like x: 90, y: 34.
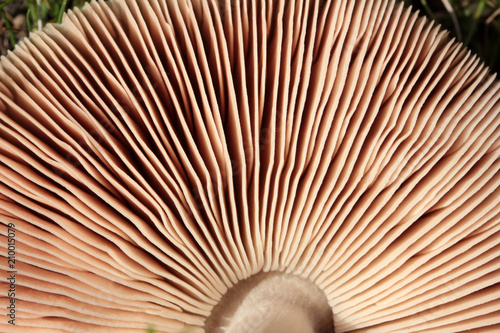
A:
x: 61, y: 11
x: 475, y: 20
x: 28, y: 20
x: 5, y: 4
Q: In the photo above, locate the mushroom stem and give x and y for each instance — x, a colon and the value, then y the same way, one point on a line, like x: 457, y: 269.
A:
x: 272, y: 302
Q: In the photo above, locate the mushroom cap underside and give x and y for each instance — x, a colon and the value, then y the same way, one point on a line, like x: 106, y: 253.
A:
x: 159, y: 157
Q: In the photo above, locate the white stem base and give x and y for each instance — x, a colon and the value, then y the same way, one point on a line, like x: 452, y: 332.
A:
x: 272, y: 303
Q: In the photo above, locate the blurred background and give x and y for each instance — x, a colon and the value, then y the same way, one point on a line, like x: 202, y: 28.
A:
x: 476, y: 23
x: 18, y: 17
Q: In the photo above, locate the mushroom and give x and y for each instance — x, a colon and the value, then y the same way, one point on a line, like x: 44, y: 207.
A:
x: 248, y: 166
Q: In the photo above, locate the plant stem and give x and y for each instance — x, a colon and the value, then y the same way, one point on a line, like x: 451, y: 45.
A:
x: 451, y: 11
x: 39, y: 14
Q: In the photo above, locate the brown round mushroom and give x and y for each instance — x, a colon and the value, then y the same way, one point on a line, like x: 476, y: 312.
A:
x: 248, y: 166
